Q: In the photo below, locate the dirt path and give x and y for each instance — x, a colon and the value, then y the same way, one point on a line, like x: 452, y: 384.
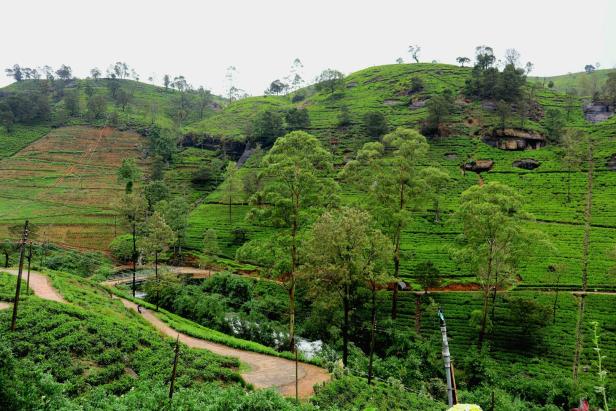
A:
x: 5, y: 305
x: 266, y: 371
x: 40, y: 284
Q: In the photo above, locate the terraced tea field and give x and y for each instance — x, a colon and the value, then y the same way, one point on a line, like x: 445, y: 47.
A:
x: 65, y: 183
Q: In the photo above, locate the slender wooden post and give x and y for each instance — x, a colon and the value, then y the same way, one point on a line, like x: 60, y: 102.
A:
x: 296, y: 369
x: 29, y: 262
x: 22, y: 248
x: 175, y: 365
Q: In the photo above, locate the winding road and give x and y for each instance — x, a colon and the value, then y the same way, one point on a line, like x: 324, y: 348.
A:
x: 265, y: 371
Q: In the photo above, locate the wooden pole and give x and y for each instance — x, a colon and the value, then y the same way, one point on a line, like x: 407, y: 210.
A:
x: 175, y: 365
x: 29, y: 262
x: 296, y: 369
x: 453, y: 381
x: 22, y: 248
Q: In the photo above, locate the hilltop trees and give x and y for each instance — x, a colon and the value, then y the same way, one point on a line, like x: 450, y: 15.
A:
x: 345, y: 252
x: 299, y: 185
x: 487, y: 82
x: 414, y: 51
x: 463, y: 60
x: 330, y: 80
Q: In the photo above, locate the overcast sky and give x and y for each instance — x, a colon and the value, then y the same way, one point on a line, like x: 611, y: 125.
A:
x: 200, y: 39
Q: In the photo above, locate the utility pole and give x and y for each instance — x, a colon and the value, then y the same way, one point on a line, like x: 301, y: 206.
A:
x: 296, y: 367
x: 29, y: 263
x: 446, y: 358
x: 22, y: 247
x: 175, y: 365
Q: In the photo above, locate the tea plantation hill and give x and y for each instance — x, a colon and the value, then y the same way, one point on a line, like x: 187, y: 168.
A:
x: 386, y: 89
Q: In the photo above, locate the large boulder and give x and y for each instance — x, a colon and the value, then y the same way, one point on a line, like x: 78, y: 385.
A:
x: 597, y: 112
x: 514, y: 139
x: 478, y: 166
x: 526, y: 163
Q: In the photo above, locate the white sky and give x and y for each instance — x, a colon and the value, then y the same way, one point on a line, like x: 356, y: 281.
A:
x: 200, y: 39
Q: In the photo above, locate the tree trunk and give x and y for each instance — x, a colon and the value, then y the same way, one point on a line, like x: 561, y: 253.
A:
x: 585, y: 262
x: 157, y: 279
x: 493, y: 314
x: 345, y: 327
x: 372, y: 334
x: 437, y: 212
x: 486, y: 293
x: 394, y: 298
x: 6, y: 260
x: 417, y: 313
x: 134, y: 257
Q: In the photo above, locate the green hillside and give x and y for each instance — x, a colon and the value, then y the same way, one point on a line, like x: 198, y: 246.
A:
x: 582, y: 83
x: 530, y: 337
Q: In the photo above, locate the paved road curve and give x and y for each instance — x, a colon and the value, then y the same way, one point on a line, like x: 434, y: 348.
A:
x: 266, y: 371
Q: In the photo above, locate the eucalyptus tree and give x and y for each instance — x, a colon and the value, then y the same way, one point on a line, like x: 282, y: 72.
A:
x: 298, y: 185
x: 390, y: 171
x: 495, y: 239
x: 158, y: 237
x: 345, y: 252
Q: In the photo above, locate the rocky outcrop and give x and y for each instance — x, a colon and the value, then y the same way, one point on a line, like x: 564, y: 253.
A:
x: 451, y: 156
x: 233, y: 149
x: 392, y: 102
x: 526, y: 163
x: 478, y: 166
x: 515, y: 139
x: 417, y: 104
x: 597, y: 112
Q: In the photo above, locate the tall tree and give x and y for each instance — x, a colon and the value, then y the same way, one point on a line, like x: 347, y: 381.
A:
x: 495, y: 239
x: 414, y: 51
x: 395, y: 184
x: 64, y: 72
x: 71, y: 101
x: 231, y: 78
x: 299, y: 184
x: 95, y: 73
x: 587, y: 142
x: 345, y: 252
x: 231, y: 187
x: 572, y: 154
x: 128, y: 174
x: 204, y: 99
x: 463, y: 60
x: 175, y: 212
x: 437, y: 181
x: 158, y: 236
x: 133, y: 210
x: 166, y: 81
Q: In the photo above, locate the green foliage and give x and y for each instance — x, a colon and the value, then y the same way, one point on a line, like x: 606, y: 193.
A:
x: 122, y: 248
x: 267, y: 127
x: 375, y: 124
x: 297, y: 119
x: 330, y: 80
x: 354, y: 393
x: 554, y: 123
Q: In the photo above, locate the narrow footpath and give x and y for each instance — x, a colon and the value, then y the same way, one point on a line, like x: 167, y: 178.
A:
x: 266, y: 371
